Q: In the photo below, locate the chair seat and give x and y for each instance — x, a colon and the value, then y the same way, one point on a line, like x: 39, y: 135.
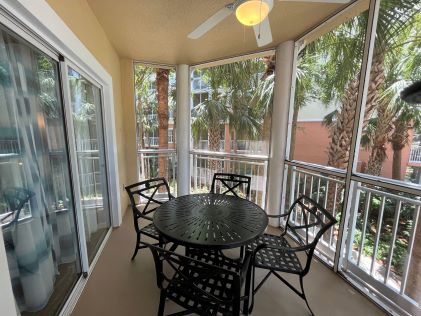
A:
x: 150, y: 231
x: 274, y: 259
x: 217, y: 285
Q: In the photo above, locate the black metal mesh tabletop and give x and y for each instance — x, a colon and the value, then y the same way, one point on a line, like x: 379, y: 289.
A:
x: 210, y: 220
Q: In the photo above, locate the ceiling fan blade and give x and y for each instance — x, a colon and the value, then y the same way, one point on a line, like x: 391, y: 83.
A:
x: 211, y: 22
x: 319, y: 1
x: 263, y: 33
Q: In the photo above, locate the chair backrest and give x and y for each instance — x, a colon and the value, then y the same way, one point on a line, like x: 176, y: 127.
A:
x: 15, y: 198
x: 229, y: 183
x: 191, y: 275
x: 143, y: 196
x: 307, y: 221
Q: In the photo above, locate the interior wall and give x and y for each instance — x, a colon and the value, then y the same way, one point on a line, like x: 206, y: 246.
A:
x: 79, y: 17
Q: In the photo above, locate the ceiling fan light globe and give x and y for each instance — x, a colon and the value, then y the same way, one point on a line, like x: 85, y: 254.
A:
x: 252, y: 12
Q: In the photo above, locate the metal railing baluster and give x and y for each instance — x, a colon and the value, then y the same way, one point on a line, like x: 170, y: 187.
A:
x: 366, y: 211
x: 393, y: 240
x: 378, y: 232
x: 410, y: 248
x: 333, y: 213
x: 318, y: 190
x: 311, y: 186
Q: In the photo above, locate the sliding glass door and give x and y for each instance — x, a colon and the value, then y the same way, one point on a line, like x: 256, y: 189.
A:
x: 85, y: 102
x: 37, y: 215
x: 54, y: 209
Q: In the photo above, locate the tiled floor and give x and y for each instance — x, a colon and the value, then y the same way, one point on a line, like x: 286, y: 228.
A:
x: 119, y: 286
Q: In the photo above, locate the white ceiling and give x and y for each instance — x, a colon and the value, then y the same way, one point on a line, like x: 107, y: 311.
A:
x: 156, y: 30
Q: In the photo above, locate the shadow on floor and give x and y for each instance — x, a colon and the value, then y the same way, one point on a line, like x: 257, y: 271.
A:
x: 119, y: 286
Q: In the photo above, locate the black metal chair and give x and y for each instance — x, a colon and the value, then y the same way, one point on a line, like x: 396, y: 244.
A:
x: 148, y: 191
x: 231, y: 183
x: 306, y: 221
x: 202, y: 283
x: 15, y: 198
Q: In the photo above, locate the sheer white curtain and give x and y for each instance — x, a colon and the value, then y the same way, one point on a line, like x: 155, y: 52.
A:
x: 43, y: 236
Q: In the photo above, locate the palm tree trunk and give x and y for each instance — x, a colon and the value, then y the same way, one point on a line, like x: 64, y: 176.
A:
x: 380, y: 139
x: 270, y: 63
x: 377, y: 79
x: 399, y: 140
x: 396, y: 165
x: 162, y: 96
x: 214, y: 137
x: 341, y: 130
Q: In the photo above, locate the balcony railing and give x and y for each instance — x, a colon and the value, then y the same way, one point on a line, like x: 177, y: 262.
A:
x: 90, y: 183
x: 86, y: 145
x: 239, y: 146
x: 328, y: 191
x: 153, y: 142
x: 204, y: 145
x: 382, y: 239
x: 415, y: 155
x: 204, y: 164
x: 151, y: 161
x: 9, y: 146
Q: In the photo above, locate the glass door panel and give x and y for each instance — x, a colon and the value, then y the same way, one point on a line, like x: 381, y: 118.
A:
x: 37, y: 216
x: 85, y: 100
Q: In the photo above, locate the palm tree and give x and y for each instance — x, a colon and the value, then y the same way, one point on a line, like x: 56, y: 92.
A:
x: 245, y: 112
x: 145, y: 102
x: 339, y: 60
x: 408, y: 116
x: 162, y: 84
x: 234, y: 99
x: 344, y: 47
x: 396, y: 53
x: 305, y: 89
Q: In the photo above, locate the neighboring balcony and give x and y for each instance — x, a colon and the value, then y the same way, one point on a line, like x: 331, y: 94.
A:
x: 415, y: 154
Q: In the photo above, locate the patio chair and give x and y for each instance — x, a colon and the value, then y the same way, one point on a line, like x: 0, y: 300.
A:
x: 306, y: 221
x: 147, y: 192
x: 15, y: 198
x: 231, y: 183
x: 205, y: 284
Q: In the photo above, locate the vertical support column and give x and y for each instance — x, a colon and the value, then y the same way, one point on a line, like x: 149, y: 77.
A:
x: 183, y: 129
x: 279, y: 130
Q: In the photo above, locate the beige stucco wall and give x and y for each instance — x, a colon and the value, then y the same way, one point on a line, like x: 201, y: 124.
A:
x: 81, y: 20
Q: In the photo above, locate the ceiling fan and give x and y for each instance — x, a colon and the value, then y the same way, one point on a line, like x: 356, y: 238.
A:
x: 249, y: 13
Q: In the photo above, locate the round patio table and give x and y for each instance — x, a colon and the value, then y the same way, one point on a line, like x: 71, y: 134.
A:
x: 210, y: 221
